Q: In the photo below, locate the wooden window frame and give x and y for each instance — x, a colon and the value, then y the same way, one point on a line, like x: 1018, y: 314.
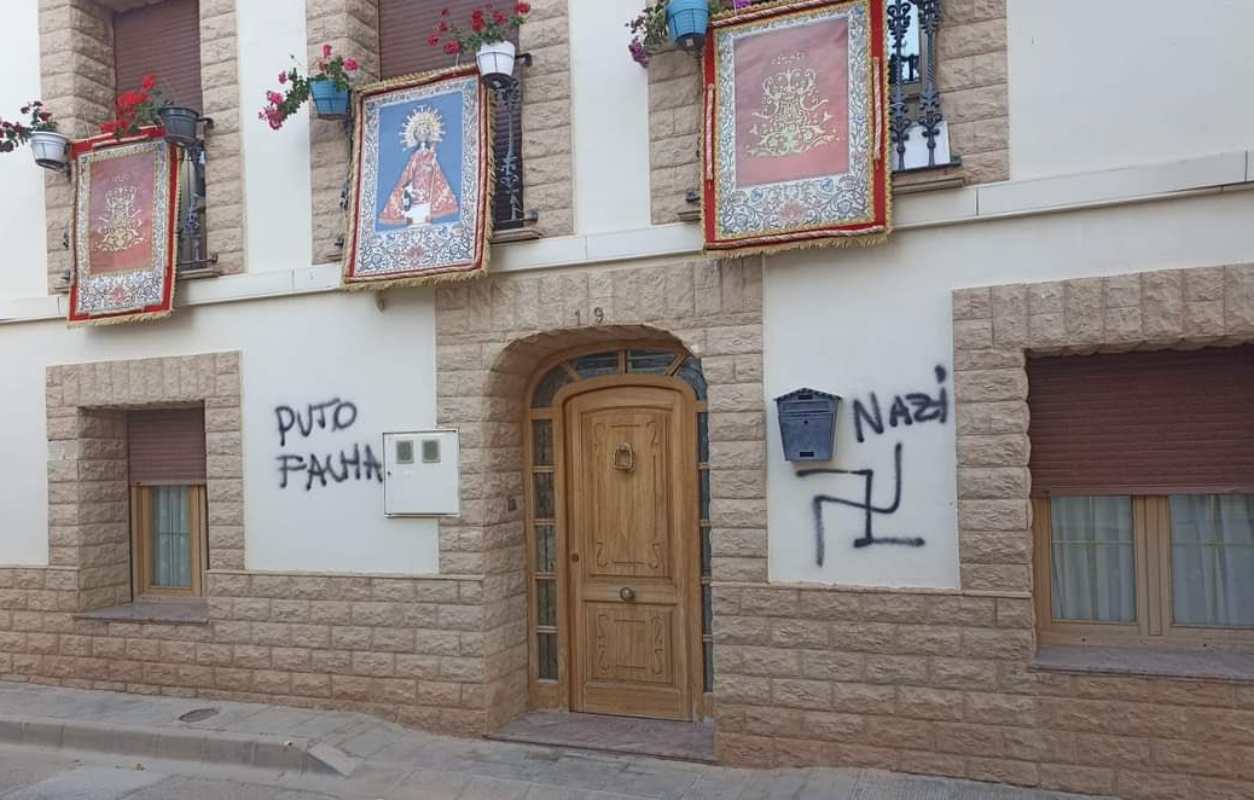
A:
x: 1153, y: 626
x: 141, y: 536
x: 555, y: 692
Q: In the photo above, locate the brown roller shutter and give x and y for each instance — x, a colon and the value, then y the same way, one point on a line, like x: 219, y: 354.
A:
x: 162, y: 39
x: 166, y: 445
x: 1164, y: 422
x: 404, y: 26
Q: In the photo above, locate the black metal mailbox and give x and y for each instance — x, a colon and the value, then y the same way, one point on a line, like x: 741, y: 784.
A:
x: 807, y: 424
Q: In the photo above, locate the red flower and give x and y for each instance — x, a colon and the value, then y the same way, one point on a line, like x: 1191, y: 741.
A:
x: 477, y: 24
x: 444, y: 12
x: 498, y: 18
x: 350, y: 64
x: 150, y: 82
x: 45, y: 115
x: 326, y: 51
x: 443, y: 27
x: 522, y: 8
x: 433, y: 39
x: 452, y: 48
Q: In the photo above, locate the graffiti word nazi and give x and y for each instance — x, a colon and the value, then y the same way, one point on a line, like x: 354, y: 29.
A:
x: 865, y: 504
x: 324, y: 469
x: 904, y: 410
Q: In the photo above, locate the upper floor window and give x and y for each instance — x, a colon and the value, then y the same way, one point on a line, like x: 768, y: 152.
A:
x: 1143, y: 510
x: 163, y: 39
x: 404, y: 26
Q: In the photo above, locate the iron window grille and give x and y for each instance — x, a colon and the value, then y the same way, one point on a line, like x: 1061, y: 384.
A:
x: 193, y: 250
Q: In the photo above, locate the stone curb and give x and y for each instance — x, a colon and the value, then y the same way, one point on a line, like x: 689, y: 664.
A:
x: 184, y: 744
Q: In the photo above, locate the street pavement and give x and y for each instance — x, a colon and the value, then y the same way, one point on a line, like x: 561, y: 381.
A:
x: 64, y: 744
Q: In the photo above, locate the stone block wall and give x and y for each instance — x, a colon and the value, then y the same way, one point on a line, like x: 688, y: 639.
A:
x: 76, y: 72
x: 674, y: 133
x: 940, y: 683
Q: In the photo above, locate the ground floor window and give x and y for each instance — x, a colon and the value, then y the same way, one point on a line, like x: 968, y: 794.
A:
x: 1142, y: 471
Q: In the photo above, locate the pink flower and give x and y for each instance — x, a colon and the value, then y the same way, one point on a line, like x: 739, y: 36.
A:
x: 326, y: 51
x: 350, y: 64
x: 274, y: 97
x: 282, y: 77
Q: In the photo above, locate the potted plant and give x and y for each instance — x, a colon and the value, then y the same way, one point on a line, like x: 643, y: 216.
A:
x: 329, y: 89
x: 487, y: 37
x: 50, y: 149
x: 682, y: 22
x: 135, y: 109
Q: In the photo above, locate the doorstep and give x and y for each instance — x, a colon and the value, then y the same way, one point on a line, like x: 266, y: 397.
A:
x: 660, y: 738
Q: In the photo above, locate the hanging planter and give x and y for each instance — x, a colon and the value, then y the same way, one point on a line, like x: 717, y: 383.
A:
x: 181, y: 125
x: 687, y: 21
x: 51, y: 149
x: 330, y: 101
x: 496, y: 62
x: 488, y: 38
x: 329, y: 88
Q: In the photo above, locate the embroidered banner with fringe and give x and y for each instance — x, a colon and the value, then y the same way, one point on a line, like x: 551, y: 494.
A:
x: 796, y: 129
x: 124, y: 229
x: 421, y: 193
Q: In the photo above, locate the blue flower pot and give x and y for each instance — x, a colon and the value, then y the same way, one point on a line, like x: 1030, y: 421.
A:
x: 330, y: 102
x: 687, y: 21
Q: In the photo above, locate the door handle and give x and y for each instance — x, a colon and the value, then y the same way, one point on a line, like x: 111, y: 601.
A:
x: 627, y: 593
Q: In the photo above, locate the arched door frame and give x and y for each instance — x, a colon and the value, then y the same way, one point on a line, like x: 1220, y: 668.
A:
x: 556, y: 380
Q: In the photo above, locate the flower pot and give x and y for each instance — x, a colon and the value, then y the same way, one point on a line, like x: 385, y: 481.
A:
x: 687, y: 21
x: 51, y: 149
x: 180, y: 125
x: 496, y: 62
x: 330, y: 101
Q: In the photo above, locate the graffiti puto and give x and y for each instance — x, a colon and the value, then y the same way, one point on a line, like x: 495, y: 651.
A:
x: 903, y: 411
x: 356, y: 463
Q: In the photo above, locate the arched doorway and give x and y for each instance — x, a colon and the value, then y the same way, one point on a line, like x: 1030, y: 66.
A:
x: 617, y: 488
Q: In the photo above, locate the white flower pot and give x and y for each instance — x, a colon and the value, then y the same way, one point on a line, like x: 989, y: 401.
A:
x: 496, y: 61
x: 51, y: 149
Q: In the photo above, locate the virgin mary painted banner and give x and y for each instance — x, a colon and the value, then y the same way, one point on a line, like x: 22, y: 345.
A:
x: 419, y: 210
x: 796, y: 131
x: 125, y: 209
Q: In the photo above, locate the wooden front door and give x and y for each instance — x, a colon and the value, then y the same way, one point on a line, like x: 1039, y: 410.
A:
x: 630, y: 484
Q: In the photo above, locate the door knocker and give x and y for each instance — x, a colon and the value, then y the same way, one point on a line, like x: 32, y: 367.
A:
x: 624, y: 458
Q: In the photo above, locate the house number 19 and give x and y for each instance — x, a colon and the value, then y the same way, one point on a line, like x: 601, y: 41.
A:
x: 598, y: 316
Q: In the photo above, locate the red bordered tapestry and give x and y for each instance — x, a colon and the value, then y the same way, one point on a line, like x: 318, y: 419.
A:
x: 421, y: 193
x: 124, y: 229
x: 796, y: 127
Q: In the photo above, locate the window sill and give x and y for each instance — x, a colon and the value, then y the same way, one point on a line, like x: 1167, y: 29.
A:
x: 927, y: 179
x: 190, y: 611
x: 1211, y: 665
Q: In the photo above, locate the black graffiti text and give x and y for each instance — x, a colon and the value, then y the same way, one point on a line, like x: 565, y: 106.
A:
x: 866, y: 504
x: 334, y: 414
x: 904, y: 409
x: 357, y: 464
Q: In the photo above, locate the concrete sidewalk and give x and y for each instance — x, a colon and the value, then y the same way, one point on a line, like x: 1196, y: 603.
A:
x: 351, y: 755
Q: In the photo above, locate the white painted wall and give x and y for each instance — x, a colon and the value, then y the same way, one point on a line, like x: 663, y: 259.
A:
x: 24, y: 264
x: 295, y: 351
x: 610, y: 119
x: 276, y: 163
x: 879, y: 319
x: 1098, y: 85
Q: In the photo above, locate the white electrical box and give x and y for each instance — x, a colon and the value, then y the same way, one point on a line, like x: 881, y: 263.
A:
x: 420, y: 474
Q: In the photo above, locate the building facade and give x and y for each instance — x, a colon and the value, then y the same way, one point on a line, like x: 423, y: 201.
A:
x: 1028, y: 561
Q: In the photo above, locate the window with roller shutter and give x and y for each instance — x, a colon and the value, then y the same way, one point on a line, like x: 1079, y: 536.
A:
x: 163, y: 39
x: 404, y: 26
x: 1142, y: 468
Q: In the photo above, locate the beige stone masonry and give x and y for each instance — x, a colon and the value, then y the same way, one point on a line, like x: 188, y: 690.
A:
x: 76, y: 72
x: 993, y: 329
x: 492, y: 335
x: 971, y: 74
x: 88, y: 498
x: 352, y: 28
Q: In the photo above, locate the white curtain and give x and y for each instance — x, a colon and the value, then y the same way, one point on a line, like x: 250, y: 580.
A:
x: 1212, y: 560
x: 171, y: 537
x: 1093, y: 563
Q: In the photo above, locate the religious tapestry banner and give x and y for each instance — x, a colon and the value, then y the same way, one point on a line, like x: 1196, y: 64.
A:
x: 421, y: 196
x: 124, y: 229
x: 795, y: 129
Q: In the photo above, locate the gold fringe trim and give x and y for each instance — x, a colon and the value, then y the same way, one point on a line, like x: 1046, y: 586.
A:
x: 121, y: 319
x: 488, y: 110
x: 869, y: 239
